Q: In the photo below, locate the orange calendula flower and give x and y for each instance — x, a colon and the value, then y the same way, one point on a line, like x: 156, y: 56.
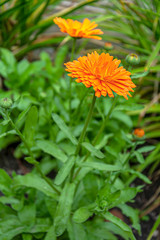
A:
x: 139, y: 132
x: 103, y: 73
x: 86, y: 29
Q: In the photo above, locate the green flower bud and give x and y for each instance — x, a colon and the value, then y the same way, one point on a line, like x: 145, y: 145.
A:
x: 132, y: 59
x: 6, y: 103
x: 108, y: 46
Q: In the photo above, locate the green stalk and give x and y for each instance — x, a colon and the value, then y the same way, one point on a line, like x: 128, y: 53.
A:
x: 85, y: 125
x: 70, y: 80
x: 30, y: 152
x: 100, y: 131
x: 104, y: 122
x: 81, y: 138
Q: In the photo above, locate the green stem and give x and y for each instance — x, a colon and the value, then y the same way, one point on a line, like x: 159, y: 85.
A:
x: 73, y: 49
x: 81, y: 138
x: 85, y: 125
x: 30, y: 153
x: 99, y: 132
x: 104, y: 122
x: 70, y: 80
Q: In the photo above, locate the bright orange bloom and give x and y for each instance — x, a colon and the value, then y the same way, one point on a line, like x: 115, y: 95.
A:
x: 78, y: 29
x: 103, y: 73
x: 139, y: 132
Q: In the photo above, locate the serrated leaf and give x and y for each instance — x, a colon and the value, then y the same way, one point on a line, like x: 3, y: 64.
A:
x: 61, y: 124
x: 52, y: 149
x: 93, y: 150
x: 64, y: 208
x: 100, y: 166
x: 65, y: 170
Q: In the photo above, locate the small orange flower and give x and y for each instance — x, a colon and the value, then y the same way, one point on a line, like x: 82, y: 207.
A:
x: 78, y: 29
x: 139, y: 132
x: 103, y: 73
x: 108, y: 46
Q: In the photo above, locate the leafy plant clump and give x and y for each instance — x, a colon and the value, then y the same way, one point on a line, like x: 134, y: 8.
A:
x: 82, y: 142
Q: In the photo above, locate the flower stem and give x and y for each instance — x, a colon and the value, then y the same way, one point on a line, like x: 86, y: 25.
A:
x: 85, y: 125
x: 81, y: 138
x: 30, y: 152
x: 100, y: 131
x: 70, y: 79
x: 73, y: 49
x: 104, y: 122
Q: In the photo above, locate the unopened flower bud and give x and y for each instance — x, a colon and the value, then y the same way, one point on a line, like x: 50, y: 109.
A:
x: 108, y: 46
x: 132, y: 59
x: 139, y: 132
x: 6, y: 103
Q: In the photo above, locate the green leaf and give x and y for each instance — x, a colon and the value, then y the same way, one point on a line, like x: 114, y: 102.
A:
x: 22, y: 115
x: 139, y: 156
x: 64, y: 208
x: 153, y: 55
x: 52, y: 149
x: 9, y: 200
x: 12, y: 132
x: 122, y: 117
x: 31, y: 160
x: 133, y: 214
x: 27, y: 215
x: 61, y: 124
x: 30, y: 125
x: 76, y: 231
x: 93, y: 150
x: 61, y: 55
x: 117, y: 221
x: 146, y: 149
x: 26, y: 236
x: 50, y: 234
x: 81, y: 215
x: 155, y: 226
x: 127, y: 194
x: 3, y: 69
x: 139, y: 75
x: 139, y: 175
x: 5, y: 182
x: 8, y: 58
x: 100, y: 166
x: 33, y: 181
x: 65, y: 170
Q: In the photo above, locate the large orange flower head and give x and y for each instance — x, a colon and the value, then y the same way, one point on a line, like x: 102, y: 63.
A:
x: 86, y: 29
x: 103, y: 73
